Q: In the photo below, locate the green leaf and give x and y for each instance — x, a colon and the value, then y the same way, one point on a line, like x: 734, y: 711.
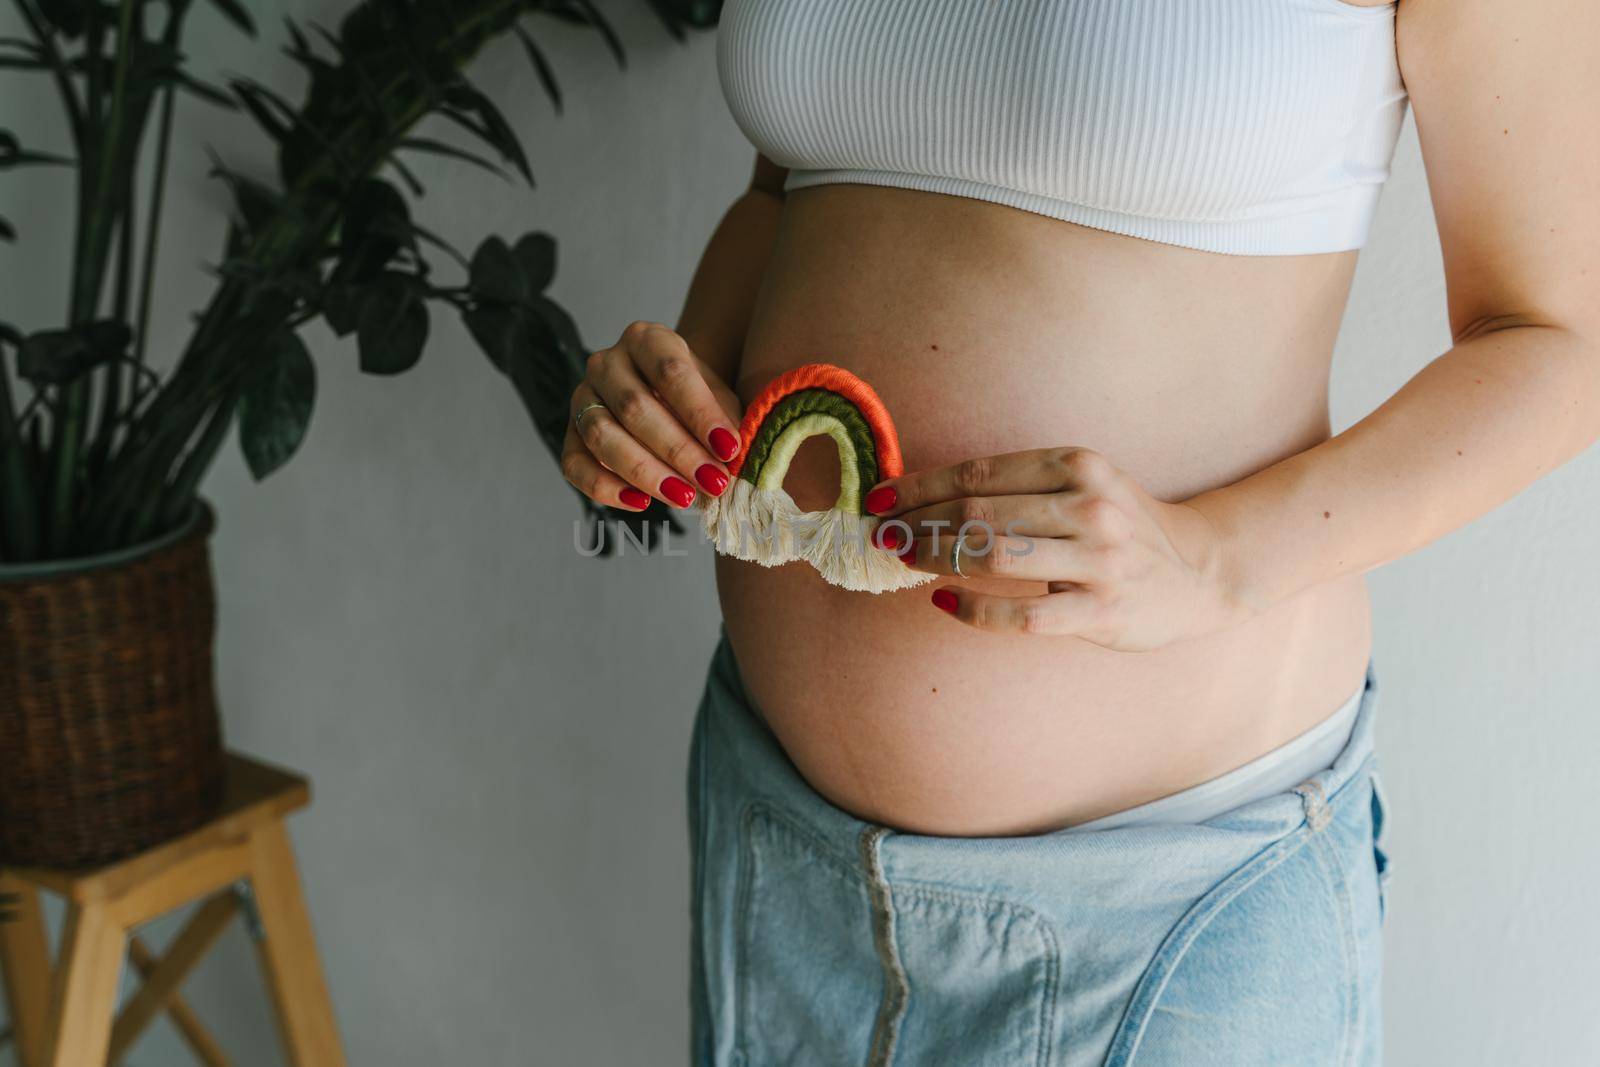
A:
x: 108, y: 338
x: 440, y: 243
x: 67, y: 16
x: 701, y: 14
x: 236, y: 13
x: 669, y: 19
x: 538, y: 349
x: 341, y: 307
x: 299, y: 49
x: 249, y: 96
x: 496, y: 274
x: 406, y: 176
x: 439, y: 148
x: 211, y: 94
x: 52, y: 357
x: 297, y: 38
x: 376, y: 225
x: 540, y: 373
x: 275, y: 408
x: 465, y: 104
x: 256, y: 203
x: 536, y: 255
x: 500, y: 330
x: 7, y: 231
x: 566, y: 331
x: 591, y: 15
x: 368, y: 28
x: 541, y: 67
x: 55, y: 357
x: 13, y: 155
x: 393, y: 326
x: 303, y: 146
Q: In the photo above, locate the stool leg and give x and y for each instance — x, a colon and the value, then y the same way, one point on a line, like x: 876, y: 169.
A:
x: 25, y: 961
x: 162, y: 981
x: 288, y: 952
x: 85, y: 994
x: 188, y: 1024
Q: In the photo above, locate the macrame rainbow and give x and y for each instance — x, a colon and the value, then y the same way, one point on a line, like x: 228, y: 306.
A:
x: 755, y: 519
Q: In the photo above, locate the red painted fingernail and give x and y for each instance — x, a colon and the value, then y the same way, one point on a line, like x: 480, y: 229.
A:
x: 891, y: 537
x: 711, y: 479
x: 882, y: 499
x: 724, y: 444
x: 678, y: 491
x: 635, y: 498
x: 946, y: 600
x: 909, y: 556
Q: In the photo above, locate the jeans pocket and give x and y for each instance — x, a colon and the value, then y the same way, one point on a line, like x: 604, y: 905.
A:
x: 824, y: 942
x: 807, y: 974
x: 1380, y: 854
x: 983, y: 974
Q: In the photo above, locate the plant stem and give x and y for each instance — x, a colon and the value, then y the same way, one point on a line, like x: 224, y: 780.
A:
x: 158, y: 189
x: 21, y: 523
x: 175, y: 499
x: 111, y: 394
x: 88, y: 273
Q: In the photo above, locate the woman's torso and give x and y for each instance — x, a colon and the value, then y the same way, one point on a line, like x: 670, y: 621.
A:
x: 989, y: 329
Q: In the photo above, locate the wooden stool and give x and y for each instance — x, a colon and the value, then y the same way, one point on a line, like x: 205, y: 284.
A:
x: 239, y: 861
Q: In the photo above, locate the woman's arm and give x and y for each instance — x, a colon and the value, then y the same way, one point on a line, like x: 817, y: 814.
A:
x: 1506, y: 98
x: 655, y: 415
x: 716, y: 312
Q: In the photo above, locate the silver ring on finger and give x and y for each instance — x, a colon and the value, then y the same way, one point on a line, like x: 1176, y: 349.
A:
x: 955, y: 554
x: 577, y: 419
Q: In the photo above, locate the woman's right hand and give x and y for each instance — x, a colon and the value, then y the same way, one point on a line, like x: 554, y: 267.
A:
x: 664, y: 423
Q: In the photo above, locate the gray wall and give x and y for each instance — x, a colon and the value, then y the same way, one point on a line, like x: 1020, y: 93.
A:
x: 496, y: 728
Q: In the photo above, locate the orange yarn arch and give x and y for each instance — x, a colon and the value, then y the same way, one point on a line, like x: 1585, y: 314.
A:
x: 835, y: 380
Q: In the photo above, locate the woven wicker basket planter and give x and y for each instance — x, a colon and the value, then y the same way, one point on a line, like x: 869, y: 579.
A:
x: 109, y: 739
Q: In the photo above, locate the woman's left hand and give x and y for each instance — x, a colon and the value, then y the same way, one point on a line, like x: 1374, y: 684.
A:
x: 1123, y: 569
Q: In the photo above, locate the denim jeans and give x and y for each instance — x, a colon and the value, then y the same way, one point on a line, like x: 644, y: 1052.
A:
x: 819, y: 939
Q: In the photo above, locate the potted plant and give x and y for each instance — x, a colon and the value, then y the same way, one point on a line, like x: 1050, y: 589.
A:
x: 108, y: 726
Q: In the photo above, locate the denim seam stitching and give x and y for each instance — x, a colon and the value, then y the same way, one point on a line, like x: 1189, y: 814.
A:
x: 1338, y: 891
x: 896, y: 986
x: 742, y: 904
x: 1125, y: 1044
x: 1047, y: 936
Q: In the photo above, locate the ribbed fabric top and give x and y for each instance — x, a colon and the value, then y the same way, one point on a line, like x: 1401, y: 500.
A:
x: 1255, y: 127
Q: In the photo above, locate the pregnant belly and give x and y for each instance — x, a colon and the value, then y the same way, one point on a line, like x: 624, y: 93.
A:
x: 988, y: 330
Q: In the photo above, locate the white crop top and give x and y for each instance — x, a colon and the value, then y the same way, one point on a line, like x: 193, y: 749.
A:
x: 1257, y: 127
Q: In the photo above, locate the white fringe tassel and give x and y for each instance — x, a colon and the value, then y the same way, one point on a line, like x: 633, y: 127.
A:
x: 765, y: 526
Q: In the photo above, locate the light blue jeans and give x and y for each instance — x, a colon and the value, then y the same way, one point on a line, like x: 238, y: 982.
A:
x: 818, y: 939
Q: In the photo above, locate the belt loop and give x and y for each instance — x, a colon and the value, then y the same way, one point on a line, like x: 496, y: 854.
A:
x: 896, y: 986
x: 1316, y: 807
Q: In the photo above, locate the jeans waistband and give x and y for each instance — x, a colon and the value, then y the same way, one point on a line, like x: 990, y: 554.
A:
x: 770, y: 771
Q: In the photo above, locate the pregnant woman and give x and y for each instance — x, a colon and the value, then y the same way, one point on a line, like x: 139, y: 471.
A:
x: 1110, y: 800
